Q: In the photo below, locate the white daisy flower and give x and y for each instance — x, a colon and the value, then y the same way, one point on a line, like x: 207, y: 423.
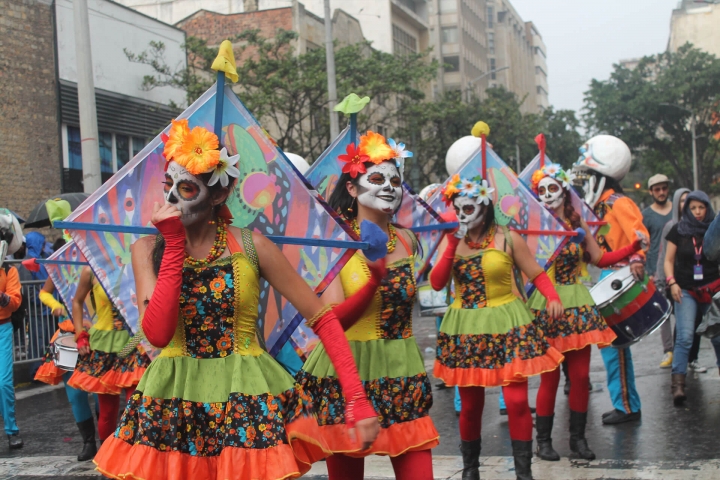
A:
x: 225, y: 167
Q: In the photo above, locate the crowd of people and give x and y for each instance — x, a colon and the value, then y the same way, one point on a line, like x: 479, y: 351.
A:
x: 215, y: 404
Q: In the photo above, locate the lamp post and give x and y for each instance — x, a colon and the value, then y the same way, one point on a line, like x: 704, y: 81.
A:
x: 472, y: 82
x: 696, y: 183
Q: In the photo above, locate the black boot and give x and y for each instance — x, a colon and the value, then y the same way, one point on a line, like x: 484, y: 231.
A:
x: 578, y: 443
x: 471, y: 459
x: 14, y: 441
x: 522, y: 451
x: 544, y: 441
x: 87, y: 432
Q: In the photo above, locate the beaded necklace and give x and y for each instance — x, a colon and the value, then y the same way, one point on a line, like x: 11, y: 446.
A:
x: 217, y: 249
x: 392, y: 235
x: 489, y: 236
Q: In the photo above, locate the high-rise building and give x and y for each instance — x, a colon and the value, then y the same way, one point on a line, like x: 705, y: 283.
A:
x: 540, y: 58
x: 696, y: 23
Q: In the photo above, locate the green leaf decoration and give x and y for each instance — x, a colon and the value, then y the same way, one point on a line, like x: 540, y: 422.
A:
x: 352, y: 104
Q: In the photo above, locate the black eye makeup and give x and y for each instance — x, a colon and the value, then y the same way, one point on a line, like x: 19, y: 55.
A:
x: 468, y: 209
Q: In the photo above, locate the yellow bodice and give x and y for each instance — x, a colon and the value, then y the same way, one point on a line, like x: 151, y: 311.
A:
x: 484, y: 279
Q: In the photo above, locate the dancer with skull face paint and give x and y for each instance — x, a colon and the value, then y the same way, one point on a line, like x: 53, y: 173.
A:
x: 580, y: 327
x: 487, y: 337
x: 380, y: 332
x: 214, y: 404
x: 604, y: 162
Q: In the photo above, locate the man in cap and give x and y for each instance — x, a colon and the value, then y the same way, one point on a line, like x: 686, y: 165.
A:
x: 655, y: 217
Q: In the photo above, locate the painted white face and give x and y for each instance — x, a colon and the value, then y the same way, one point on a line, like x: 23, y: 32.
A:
x: 187, y: 192
x: 469, y: 212
x: 380, y: 188
x: 551, y: 193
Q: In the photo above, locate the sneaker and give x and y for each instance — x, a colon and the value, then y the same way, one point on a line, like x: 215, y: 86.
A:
x: 667, y: 360
x: 696, y: 367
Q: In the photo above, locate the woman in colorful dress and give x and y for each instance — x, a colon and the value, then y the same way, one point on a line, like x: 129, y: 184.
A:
x: 380, y: 333
x: 52, y: 375
x: 487, y: 337
x: 581, y: 325
x: 101, y: 368
x: 213, y: 404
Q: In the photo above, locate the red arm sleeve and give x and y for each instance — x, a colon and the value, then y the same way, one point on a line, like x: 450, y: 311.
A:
x: 611, y: 258
x: 545, y: 287
x: 350, y: 311
x: 440, y: 274
x: 161, y: 314
x: 357, y: 407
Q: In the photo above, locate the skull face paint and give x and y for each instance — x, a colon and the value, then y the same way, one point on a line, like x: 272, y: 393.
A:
x: 380, y: 188
x: 468, y: 211
x: 551, y: 193
x: 187, y: 192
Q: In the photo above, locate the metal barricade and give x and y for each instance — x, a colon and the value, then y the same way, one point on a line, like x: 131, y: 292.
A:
x: 32, y: 338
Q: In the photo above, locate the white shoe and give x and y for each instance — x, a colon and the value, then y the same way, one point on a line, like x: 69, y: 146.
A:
x: 667, y: 360
x: 696, y: 367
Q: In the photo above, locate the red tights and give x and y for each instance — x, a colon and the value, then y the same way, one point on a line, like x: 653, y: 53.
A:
x: 416, y: 465
x: 109, y: 405
x: 578, y: 362
x: 516, y: 402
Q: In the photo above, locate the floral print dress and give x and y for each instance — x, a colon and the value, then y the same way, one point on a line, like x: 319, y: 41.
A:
x: 487, y: 337
x: 582, y: 324
x: 390, y: 364
x: 104, y: 370
x: 214, y: 405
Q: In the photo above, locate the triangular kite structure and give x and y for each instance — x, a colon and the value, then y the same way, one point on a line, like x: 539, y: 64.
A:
x: 270, y: 197
x: 515, y: 207
x: 64, y: 271
x: 578, y: 203
x: 413, y: 213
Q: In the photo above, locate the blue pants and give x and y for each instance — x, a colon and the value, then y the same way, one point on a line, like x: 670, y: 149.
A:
x: 685, y: 314
x: 501, y: 401
x: 79, y: 401
x: 7, y: 388
x: 620, y: 375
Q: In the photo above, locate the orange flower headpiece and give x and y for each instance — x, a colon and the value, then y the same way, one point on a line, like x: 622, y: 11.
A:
x: 475, y: 188
x: 197, y: 152
x: 373, y: 149
x: 554, y: 171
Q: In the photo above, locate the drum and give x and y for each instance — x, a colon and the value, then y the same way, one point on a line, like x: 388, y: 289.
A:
x: 65, y: 352
x: 432, y: 303
x: 632, y: 309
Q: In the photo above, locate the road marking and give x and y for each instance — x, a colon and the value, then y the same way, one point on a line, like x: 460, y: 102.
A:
x: 37, y: 391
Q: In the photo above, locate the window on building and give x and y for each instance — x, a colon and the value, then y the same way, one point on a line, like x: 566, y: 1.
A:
x: 122, y: 147
x: 491, y: 43
x: 538, y: 51
x: 105, y: 141
x: 490, y: 17
x: 409, y: 4
x: 452, y: 63
x: 448, y: 6
x: 137, y: 145
x: 74, y: 149
x: 449, y: 35
x: 493, y: 74
x: 403, y: 42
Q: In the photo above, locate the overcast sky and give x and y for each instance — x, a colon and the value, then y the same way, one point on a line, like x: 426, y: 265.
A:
x: 585, y: 38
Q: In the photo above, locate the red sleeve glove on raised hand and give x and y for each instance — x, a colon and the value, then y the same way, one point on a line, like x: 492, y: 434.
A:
x: 350, y: 311
x: 82, y: 339
x: 440, y: 274
x: 357, y: 406
x: 161, y: 314
x: 545, y: 287
x: 611, y: 258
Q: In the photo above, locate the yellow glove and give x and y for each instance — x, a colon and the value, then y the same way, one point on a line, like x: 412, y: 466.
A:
x: 48, y: 300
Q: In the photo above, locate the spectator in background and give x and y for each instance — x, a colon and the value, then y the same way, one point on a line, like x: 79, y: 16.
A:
x: 666, y: 331
x: 10, y: 299
x: 655, y: 217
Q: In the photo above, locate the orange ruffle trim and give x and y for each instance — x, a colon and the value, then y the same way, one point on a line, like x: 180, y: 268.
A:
x: 578, y: 341
x: 419, y: 434
x: 49, y: 373
x: 118, y: 459
x: 115, y: 379
x: 88, y: 383
x: 517, y: 371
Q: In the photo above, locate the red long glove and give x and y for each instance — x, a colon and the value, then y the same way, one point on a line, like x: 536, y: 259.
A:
x: 440, y: 274
x: 161, y: 314
x: 350, y: 311
x: 82, y: 339
x: 611, y: 258
x: 546, y: 288
x: 357, y: 406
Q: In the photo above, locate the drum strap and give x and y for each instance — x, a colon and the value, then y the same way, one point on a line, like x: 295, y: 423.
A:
x: 508, y: 237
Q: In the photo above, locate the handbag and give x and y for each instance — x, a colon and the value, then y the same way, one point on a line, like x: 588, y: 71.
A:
x: 710, y: 325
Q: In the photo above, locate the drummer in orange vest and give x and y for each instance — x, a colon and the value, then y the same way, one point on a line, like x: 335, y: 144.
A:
x: 604, y: 162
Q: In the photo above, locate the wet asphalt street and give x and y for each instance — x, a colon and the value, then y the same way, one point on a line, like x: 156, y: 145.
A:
x: 668, y: 443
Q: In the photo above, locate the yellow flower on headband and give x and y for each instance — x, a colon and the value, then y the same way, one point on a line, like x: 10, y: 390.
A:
x: 376, y: 148
x: 198, y: 152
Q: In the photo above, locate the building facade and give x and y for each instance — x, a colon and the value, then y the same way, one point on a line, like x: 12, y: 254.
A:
x: 540, y: 57
x: 696, y: 23
x: 39, y: 94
